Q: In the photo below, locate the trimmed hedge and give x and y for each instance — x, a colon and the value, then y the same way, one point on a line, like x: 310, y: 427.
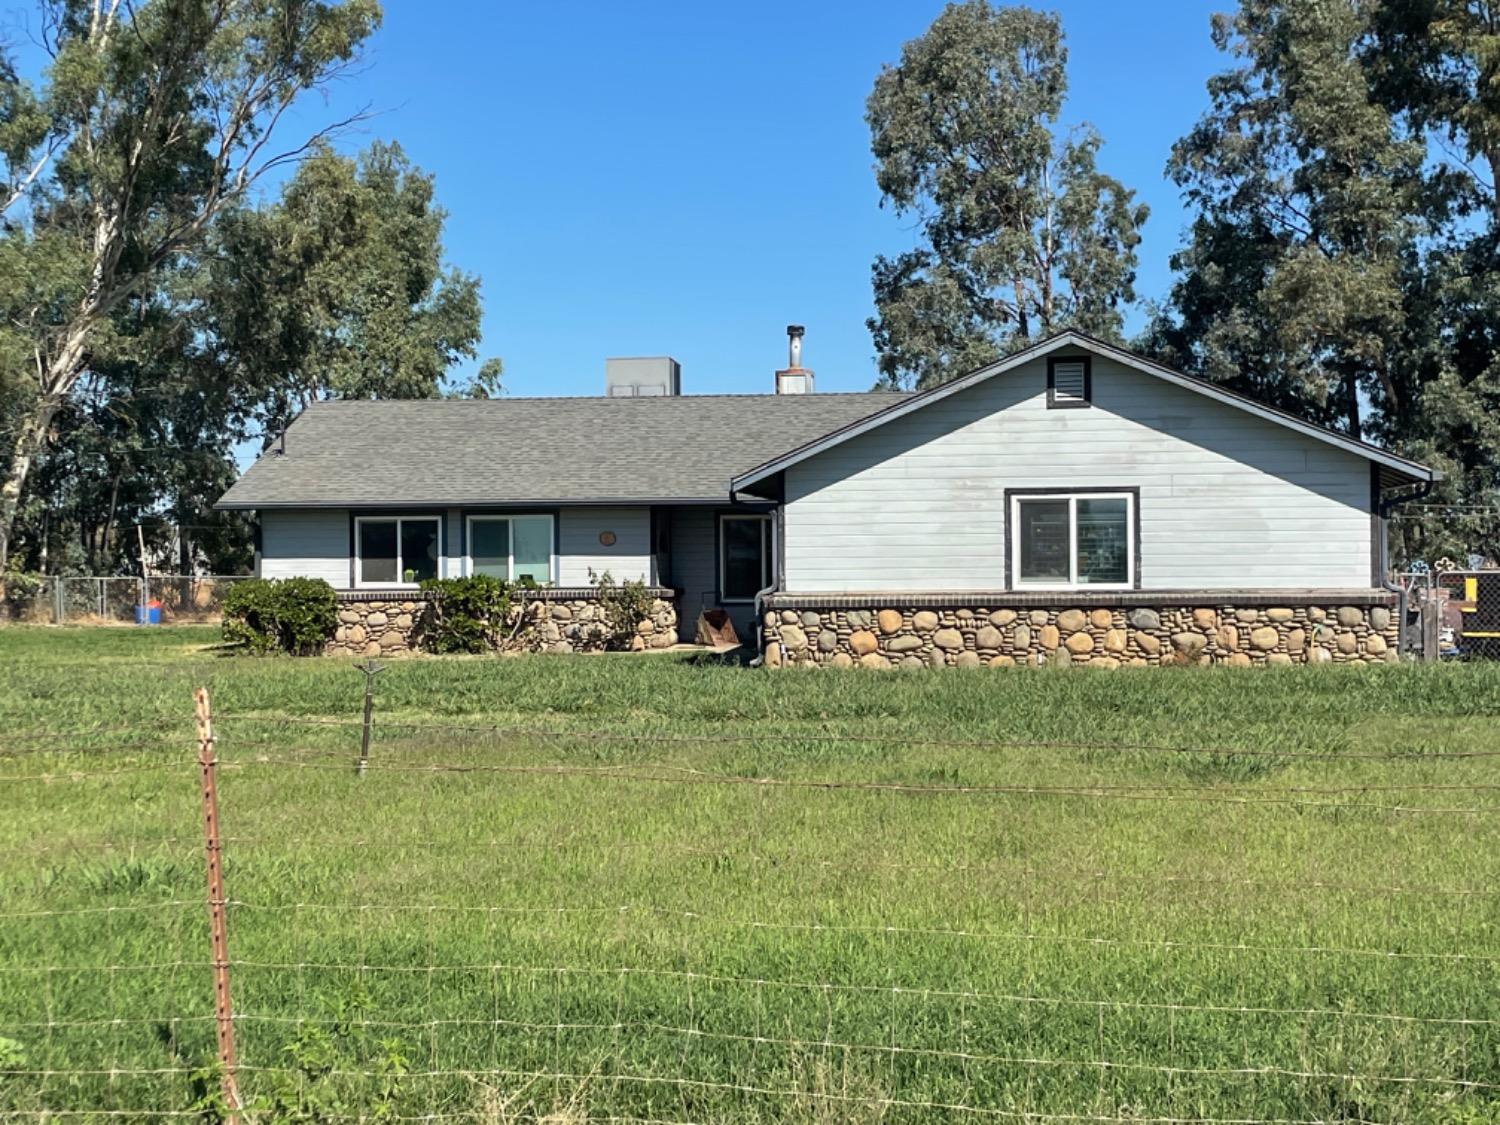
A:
x: 291, y: 615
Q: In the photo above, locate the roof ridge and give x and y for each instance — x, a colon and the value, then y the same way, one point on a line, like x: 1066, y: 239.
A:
x: 324, y: 403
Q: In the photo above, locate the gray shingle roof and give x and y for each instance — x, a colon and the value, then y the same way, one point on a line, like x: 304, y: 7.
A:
x: 538, y: 450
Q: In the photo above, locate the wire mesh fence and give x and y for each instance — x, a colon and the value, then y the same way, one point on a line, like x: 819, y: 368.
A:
x: 490, y: 922
x: 115, y: 600
x: 1450, y: 573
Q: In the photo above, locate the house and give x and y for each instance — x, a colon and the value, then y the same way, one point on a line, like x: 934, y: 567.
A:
x: 1071, y: 503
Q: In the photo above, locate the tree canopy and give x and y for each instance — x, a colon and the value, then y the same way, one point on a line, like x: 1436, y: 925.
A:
x: 336, y: 289
x: 1021, y: 233
x: 147, y: 121
x: 156, y: 318
x: 1342, y: 260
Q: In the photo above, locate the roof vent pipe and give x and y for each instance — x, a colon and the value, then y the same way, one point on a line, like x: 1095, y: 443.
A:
x: 794, y: 379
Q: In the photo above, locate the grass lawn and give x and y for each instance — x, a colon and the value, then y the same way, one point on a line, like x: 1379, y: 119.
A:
x: 648, y: 889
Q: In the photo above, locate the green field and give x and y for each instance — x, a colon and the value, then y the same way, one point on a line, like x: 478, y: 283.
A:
x: 642, y: 888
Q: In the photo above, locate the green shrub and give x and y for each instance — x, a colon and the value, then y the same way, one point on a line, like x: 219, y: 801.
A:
x: 625, y: 604
x: 19, y: 589
x: 474, y: 614
x: 291, y: 615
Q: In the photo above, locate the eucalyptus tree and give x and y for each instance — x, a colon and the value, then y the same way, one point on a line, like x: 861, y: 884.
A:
x: 1311, y: 204
x: 1344, y: 259
x: 337, y: 288
x: 340, y: 289
x: 1020, y: 232
x: 148, y: 120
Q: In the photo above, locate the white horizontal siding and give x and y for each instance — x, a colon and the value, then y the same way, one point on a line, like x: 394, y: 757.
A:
x: 306, y: 544
x: 579, y: 547
x: 454, y: 539
x: 1227, y: 500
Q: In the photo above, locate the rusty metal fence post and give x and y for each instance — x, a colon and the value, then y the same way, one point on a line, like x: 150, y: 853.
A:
x: 218, y: 933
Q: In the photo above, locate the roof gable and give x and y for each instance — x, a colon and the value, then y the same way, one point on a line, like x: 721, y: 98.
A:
x: 1398, y: 468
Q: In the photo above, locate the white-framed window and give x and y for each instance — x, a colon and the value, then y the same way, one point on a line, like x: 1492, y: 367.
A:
x: 1073, y: 540
x: 510, y: 547
x: 396, y: 550
x: 747, y: 556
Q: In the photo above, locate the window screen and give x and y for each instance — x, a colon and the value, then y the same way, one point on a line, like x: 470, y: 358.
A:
x: 531, y: 539
x: 1104, y: 540
x: 1044, y: 541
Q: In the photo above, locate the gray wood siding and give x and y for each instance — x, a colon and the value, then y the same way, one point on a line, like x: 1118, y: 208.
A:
x: 306, y: 544
x: 694, y: 566
x: 578, y: 539
x: 1227, y: 500
x: 315, y: 543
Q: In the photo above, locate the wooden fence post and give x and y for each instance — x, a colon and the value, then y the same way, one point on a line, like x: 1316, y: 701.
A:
x: 1430, y: 628
x: 218, y: 935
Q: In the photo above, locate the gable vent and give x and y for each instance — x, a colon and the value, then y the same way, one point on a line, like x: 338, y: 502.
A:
x: 1068, y: 383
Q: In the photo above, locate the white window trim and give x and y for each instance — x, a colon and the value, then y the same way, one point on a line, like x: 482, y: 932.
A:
x: 1018, y: 583
x: 359, y: 523
x: 510, y: 563
x: 768, y: 536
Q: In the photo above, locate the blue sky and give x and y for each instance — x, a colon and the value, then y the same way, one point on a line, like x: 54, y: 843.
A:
x: 640, y: 179
x: 689, y: 178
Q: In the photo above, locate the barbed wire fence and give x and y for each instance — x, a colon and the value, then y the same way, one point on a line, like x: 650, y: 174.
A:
x: 491, y: 922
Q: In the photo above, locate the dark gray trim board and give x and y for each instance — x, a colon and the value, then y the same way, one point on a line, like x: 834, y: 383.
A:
x: 1409, y: 470
x: 1016, y: 599
x: 366, y: 508
x: 1088, y: 382
x: 540, y: 594
x: 1135, y: 516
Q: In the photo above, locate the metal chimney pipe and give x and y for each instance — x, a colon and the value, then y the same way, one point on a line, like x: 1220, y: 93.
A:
x: 794, y: 346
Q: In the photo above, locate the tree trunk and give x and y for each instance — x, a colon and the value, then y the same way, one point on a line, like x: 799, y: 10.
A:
x: 28, y: 444
x: 1493, y: 158
x: 184, y: 568
x: 58, y: 382
x: 1351, y: 406
x: 109, y: 521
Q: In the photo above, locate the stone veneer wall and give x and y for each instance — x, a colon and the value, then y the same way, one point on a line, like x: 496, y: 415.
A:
x: 885, y: 633
x: 375, y: 623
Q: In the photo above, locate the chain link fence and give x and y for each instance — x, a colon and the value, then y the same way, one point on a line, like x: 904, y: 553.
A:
x: 1453, y: 596
x: 103, y: 600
